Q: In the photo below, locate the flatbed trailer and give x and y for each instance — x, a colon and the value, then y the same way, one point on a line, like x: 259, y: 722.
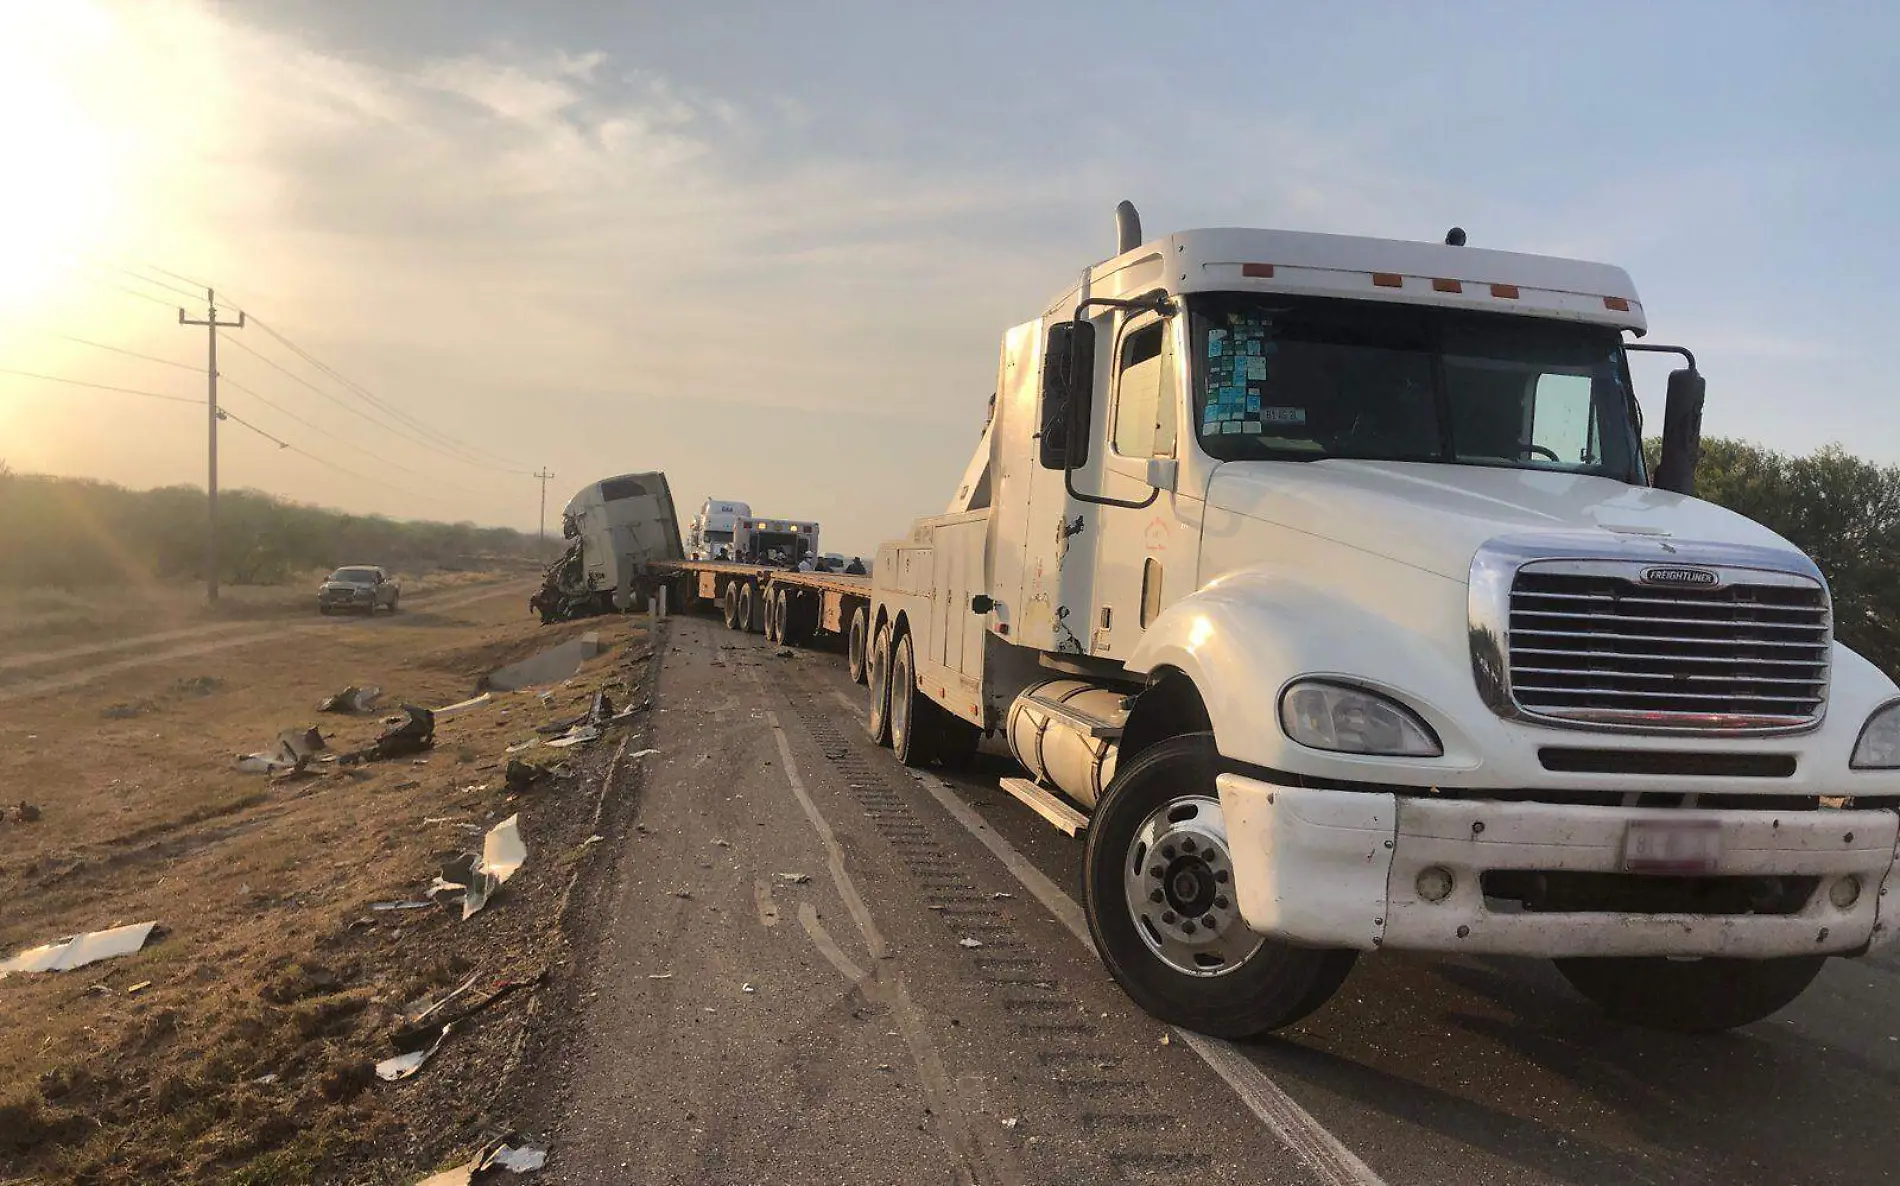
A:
x: 789, y: 607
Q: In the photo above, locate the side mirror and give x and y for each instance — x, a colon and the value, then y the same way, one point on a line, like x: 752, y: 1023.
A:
x: 1682, y: 433
x: 1161, y: 472
x: 1068, y: 380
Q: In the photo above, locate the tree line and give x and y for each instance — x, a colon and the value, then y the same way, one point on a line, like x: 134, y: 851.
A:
x: 74, y: 533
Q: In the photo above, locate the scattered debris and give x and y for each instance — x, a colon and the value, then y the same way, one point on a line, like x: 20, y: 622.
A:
x: 795, y: 878
x: 414, y: 1035
x: 424, y: 1014
x: 999, y: 895
x: 601, y: 710
x: 140, y: 987
x: 596, y: 838
x: 522, y: 745
x: 645, y: 753
x: 783, y: 653
x: 522, y: 775
x: 580, y: 735
x: 266, y: 1079
x: 1012, y: 1122
x: 290, y: 755
x: 747, y: 988
x: 496, y: 1155
x: 723, y: 843
x: 685, y: 894
x: 79, y: 950
x: 966, y: 941
x: 25, y: 813
x: 410, y: 733
x: 885, y: 1067
x: 413, y: 905
x: 1167, y: 1040
x: 404, y: 1065
x: 475, y: 878
x: 659, y: 975
x: 352, y: 700
x: 549, y: 667
x: 450, y: 710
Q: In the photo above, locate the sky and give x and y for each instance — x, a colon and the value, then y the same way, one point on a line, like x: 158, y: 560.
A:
x: 771, y: 249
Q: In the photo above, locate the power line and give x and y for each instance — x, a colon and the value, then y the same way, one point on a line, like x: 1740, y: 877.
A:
x: 320, y: 430
x: 177, y: 399
x: 183, y: 366
x: 475, y: 455
x: 394, y: 429
x: 228, y: 414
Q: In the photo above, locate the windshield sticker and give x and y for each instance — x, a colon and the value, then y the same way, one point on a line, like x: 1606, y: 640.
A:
x: 1256, y: 366
x: 1283, y: 415
x: 1214, y: 337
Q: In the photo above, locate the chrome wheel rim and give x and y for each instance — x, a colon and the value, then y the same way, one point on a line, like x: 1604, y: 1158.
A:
x: 1177, y: 877
x: 900, y: 703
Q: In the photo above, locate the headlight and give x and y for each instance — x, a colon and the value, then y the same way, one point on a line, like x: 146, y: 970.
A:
x: 1879, y: 744
x: 1354, y: 721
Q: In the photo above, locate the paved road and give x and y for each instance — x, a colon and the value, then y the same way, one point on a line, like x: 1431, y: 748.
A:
x: 923, y: 1010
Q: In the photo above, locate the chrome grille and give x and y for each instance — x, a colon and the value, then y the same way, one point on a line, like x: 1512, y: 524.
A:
x: 1589, y: 642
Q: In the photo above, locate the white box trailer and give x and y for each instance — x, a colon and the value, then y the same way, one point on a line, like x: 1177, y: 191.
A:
x: 1322, y: 583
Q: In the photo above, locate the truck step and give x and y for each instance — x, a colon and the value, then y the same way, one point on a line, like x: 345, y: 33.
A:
x: 1066, y: 818
x: 1081, y: 722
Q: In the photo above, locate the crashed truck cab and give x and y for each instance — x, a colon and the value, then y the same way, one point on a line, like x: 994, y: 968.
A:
x: 1323, y: 581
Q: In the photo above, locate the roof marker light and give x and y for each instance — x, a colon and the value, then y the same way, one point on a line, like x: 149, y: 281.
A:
x: 1388, y: 280
x: 1616, y: 303
x: 1264, y: 271
x: 1507, y: 291
x: 1447, y: 286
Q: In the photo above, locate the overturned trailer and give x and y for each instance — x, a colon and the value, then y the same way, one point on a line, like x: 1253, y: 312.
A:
x: 618, y: 529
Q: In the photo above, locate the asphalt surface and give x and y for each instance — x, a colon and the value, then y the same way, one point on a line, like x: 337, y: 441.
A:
x: 815, y: 966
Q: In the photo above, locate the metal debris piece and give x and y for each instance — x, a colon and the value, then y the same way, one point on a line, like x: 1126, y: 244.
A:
x: 601, y: 710
x: 495, y: 1155
x: 79, y: 950
x: 645, y: 753
x: 404, y: 1065
x: 966, y: 941
x: 522, y: 775
x: 999, y: 895
x: 1012, y: 1122
x: 25, y: 813
x: 352, y: 700
x: 795, y: 878
x: 747, y: 988
x: 659, y: 976
x: 522, y: 745
x: 422, y: 905
x: 457, y: 991
x: 141, y: 986
x: 580, y: 735
x: 596, y: 838
x: 476, y: 878
x: 291, y: 754
x: 410, y: 733
x: 412, y: 1036
x: 449, y: 710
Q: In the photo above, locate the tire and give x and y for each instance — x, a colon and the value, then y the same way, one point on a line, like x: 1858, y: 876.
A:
x: 913, y: 714
x: 1691, y: 995
x: 795, y: 619
x: 857, y: 644
x: 749, y: 609
x: 1231, y: 983
x: 729, y: 605
x: 877, y: 718
x: 775, y: 616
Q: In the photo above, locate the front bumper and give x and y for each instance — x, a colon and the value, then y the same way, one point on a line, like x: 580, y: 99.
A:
x: 1340, y: 869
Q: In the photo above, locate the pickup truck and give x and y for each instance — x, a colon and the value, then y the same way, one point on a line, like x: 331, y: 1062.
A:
x: 1321, y: 583
x: 359, y: 588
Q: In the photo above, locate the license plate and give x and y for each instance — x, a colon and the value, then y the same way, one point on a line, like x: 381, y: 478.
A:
x: 1672, y: 846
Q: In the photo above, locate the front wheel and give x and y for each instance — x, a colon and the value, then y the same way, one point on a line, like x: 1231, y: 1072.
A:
x: 1692, y: 995
x: 858, y: 644
x: 1157, y: 883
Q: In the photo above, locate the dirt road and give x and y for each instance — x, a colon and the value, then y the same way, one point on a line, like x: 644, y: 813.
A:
x: 815, y: 966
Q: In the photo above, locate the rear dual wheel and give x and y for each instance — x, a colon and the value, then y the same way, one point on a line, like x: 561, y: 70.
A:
x: 729, y: 604
x: 858, y: 645
x: 923, y: 731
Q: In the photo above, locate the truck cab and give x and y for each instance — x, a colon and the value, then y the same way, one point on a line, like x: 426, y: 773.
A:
x: 1323, y: 584
x: 710, y: 535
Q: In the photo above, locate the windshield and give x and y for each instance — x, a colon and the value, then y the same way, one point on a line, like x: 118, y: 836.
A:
x: 1300, y: 379
x: 354, y: 576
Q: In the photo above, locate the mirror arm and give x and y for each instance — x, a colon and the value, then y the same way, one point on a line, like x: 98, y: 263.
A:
x: 1661, y: 349
x: 1158, y: 302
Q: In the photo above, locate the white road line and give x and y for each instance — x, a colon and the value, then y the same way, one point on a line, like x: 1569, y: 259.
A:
x: 888, y: 989
x: 1295, y: 1126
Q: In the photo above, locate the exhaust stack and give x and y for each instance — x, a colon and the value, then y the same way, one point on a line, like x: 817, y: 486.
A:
x: 1127, y: 228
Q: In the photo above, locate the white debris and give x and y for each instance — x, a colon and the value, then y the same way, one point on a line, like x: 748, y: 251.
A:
x: 502, y: 854
x: 404, y: 1065
x: 1012, y: 1122
x: 795, y: 878
x: 966, y: 941
x: 79, y: 950
x: 461, y: 706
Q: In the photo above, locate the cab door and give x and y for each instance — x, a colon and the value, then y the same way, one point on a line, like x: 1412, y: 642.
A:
x: 1145, y: 558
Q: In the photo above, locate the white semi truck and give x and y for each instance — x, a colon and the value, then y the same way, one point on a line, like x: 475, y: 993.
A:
x: 1322, y: 583
x: 709, y: 537
x: 619, y: 528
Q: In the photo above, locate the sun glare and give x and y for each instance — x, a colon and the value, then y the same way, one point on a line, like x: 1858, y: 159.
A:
x: 61, y: 198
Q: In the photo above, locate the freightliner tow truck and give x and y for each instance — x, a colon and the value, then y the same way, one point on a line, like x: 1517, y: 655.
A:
x: 1322, y: 584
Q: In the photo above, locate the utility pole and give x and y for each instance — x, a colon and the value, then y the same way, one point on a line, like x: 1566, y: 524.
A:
x: 212, y: 326
x: 541, y: 535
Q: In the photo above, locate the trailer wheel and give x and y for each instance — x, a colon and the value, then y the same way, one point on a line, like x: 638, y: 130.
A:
x: 1158, y: 893
x: 749, y: 608
x: 730, y: 603
x: 877, y: 718
x: 914, y: 716
x: 774, y: 616
x: 795, y: 624
x: 858, y: 641
x: 1691, y: 995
